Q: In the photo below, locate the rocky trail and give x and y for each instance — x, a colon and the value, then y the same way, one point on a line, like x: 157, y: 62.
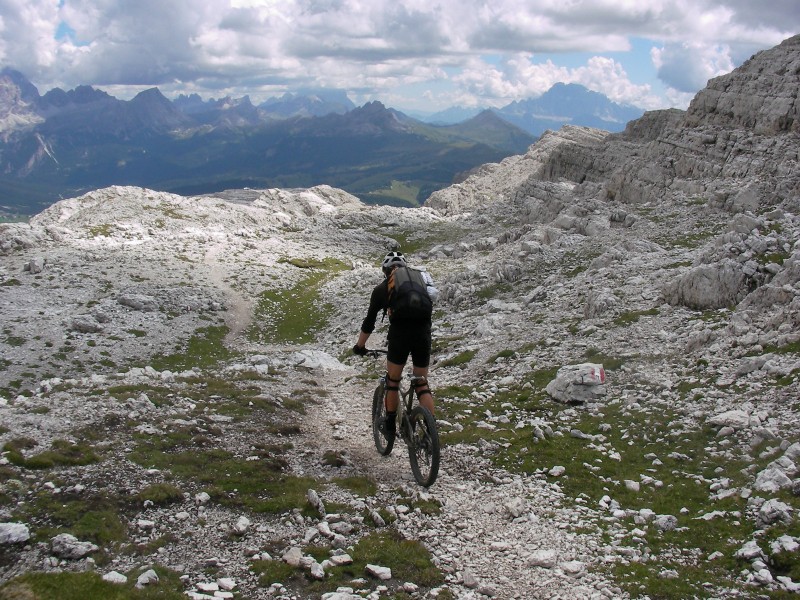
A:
x: 497, y: 535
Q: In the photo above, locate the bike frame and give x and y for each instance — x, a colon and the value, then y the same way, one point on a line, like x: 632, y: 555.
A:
x: 405, y: 402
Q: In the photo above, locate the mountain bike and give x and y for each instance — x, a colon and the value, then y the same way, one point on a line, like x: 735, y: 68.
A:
x: 415, y: 425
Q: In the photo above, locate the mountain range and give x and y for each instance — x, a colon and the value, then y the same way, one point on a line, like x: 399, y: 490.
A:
x: 64, y: 143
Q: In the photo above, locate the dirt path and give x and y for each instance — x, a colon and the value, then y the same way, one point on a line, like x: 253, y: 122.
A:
x: 484, y: 547
x: 343, y: 420
x: 239, y: 313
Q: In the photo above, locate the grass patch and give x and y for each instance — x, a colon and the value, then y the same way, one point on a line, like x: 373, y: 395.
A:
x: 460, y: 359
x: 161, y: 494
x: 15, y: 341
x: 418, y: 239
x: 790, y: 348
x: 409, y: 560
x: 82, y: 586
x: 94, y: 518
x: 205, y: 349
x: 775, y: 257
x: 104, y: 230
x: 501, y: 354
x: 257, y: 482
x: 312, y: 263
x: 295, y: 314
x: 490, y: 291
x: 361, y: 486
x: 400, y: 190
x: 690, y: 240
x: 454, y: 391
x: 61, y: 453
x: 633, y: 316
x: 609, y: 363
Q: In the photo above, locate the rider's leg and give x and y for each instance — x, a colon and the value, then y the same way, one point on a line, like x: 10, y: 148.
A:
x: 394, y: 373
x: 421, y: 359
x: 422, y: 389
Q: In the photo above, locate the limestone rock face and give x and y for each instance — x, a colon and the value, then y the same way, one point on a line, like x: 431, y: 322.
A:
x: 753, y: 108
x: 761, y: 95
x: 556, y: 154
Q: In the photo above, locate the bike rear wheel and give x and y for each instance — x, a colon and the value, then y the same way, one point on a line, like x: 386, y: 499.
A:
x: 383, y: 444
x: 423, y: 446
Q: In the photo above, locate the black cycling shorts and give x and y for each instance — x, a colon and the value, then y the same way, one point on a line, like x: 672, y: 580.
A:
x: 406, y: 339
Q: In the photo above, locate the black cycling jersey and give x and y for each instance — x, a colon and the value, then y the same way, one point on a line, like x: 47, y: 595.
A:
x: 404, y: 337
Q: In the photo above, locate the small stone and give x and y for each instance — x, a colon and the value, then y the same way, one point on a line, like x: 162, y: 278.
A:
x: 241, y: 526
x: 146, y: 578
x: 470, y: 580
x: 293, y: 556
x: 317, y: 572
x: 226, y: 584
x: 546, y: 559
x: 114, y: 577
x: 14, y: 533
x: 382, y: 573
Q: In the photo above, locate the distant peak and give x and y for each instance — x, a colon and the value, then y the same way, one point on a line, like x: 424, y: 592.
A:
x: 150, y: 93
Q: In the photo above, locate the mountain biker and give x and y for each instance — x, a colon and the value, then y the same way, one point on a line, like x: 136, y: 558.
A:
x: 404, y: 338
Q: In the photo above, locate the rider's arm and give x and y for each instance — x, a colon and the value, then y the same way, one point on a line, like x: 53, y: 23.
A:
x: 377, y: 302
x: 362, y: 339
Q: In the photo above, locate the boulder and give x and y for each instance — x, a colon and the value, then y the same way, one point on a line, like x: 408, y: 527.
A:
x: 578, y: 383
x: 149, y: 577
x: 599, y: 303
x: 772, y: 480
x: 750, y: 551
x: 138, y: 302
x: 774, y: 511
x: 382, y: 573
x: 14, y: 533
x: 316, y: 359
x: 737, y: 419
x: 67, y: 546
x: 717, y: 285
x: 546, y: 558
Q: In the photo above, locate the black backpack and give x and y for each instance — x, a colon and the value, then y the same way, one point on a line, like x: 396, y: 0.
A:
x: 408, y: 295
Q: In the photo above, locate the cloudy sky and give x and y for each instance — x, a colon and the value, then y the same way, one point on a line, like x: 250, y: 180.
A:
x: 417, y: 55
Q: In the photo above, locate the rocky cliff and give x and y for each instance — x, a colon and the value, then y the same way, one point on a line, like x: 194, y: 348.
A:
x: 616, y: 369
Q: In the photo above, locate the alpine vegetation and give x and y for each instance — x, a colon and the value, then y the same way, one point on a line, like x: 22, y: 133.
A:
x: 616, y: 367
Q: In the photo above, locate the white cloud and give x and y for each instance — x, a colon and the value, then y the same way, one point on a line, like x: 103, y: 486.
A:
x: 521, y: 77
x: 27, y: 33
x: 487, y: 51
x: 688, y: 67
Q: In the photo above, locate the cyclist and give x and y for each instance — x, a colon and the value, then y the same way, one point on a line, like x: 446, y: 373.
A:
x: 404, y: 338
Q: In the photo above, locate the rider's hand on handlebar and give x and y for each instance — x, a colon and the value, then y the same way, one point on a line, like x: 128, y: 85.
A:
x: 359, y: 350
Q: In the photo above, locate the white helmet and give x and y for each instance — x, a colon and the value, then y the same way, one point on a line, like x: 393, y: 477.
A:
x: 392, y: 260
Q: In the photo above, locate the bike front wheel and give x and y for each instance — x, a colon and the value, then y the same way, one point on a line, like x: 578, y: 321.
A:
x: 383, y: 443
x: 423, y: 446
